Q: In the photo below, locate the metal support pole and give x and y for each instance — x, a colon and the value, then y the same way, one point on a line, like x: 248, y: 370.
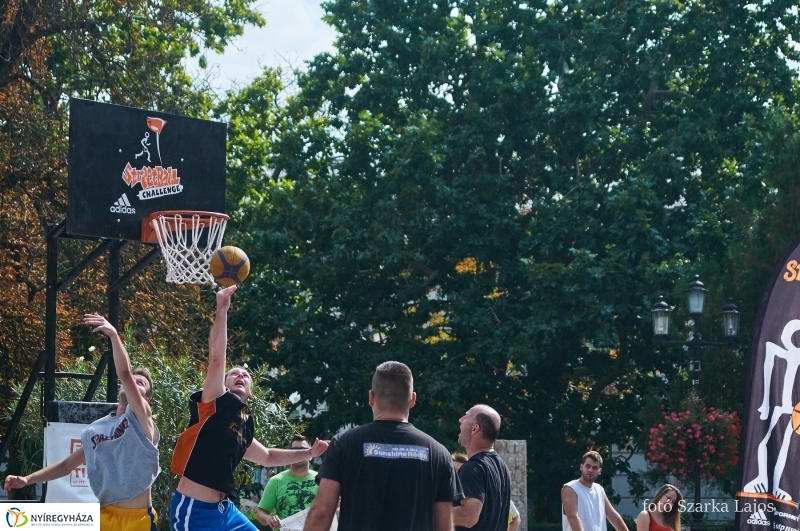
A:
x: 51, y: 302
x: 113, y: 318
x: 23, y: 401
x: 98, y: 374
x: 697, y: 515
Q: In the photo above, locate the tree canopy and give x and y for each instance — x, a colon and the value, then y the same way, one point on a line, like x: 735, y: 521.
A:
x: 123, y: 52
x: 495, y: 192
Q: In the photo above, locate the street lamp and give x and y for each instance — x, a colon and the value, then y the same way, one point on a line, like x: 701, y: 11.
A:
x: 730, y: 328
x: 697, y: 297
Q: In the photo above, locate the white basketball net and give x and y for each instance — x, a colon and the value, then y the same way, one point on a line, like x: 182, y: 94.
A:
x: 187, y: 261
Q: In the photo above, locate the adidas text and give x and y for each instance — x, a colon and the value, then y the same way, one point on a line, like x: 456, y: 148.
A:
x: 123, y: 206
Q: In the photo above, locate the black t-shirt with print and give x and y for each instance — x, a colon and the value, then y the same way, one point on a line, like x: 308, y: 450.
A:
x: 486, y: 477
x: 391, y: 474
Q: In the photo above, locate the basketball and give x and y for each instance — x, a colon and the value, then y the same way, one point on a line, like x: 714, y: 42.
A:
x: 229, y: 266
x: 796, y: 419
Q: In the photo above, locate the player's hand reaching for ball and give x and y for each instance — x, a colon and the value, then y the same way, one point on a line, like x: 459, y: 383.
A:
x: 99, y: 324
x: 319, y: 448
x: 14, y: 482
x: 224, y: 298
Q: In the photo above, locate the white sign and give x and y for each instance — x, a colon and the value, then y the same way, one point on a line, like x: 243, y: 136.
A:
x: 60, y: 440
x: 48, y: 516
x: 297, y: 522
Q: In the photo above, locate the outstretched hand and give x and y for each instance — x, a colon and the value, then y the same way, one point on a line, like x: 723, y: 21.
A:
x: 319, y: 448
x: 99, y: 324
x: 14, y: 482
x: 224, y: 297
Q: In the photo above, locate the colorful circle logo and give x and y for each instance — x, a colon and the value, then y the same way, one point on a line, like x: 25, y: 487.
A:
x: 16, y: 517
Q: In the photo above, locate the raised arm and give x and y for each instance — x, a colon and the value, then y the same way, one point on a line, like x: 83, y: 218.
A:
x: 48, y: 473
x: 214, y: 385
x: 139, y: 406
x: 269, y: 457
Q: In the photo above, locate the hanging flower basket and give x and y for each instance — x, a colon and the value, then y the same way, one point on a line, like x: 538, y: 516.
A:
x: 698, y: 440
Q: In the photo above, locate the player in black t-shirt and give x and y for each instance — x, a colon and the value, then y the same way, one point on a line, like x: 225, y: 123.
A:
x: 391, y: 476
x: 484, y: 477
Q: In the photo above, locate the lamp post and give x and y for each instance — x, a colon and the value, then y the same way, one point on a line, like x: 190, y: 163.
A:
x: 730, y: 328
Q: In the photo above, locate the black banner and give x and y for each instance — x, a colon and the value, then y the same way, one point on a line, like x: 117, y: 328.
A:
x: 769, y: 485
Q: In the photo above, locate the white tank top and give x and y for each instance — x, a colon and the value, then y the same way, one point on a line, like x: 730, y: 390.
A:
x: 591, y: 507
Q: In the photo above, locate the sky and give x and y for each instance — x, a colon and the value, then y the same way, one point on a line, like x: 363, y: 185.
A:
x: 294, y: 33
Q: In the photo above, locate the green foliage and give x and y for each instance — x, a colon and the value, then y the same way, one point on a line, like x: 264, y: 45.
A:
x: 130, y: 52
x: 175, y: 379
x: 28, y: 448
x: 495, y: 192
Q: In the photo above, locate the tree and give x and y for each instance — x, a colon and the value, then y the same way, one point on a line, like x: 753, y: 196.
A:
x: 493, y: 192
x: 123, y: 52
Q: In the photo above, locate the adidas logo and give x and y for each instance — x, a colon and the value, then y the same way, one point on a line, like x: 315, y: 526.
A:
x: 123, y: 206
x: 758, y: 518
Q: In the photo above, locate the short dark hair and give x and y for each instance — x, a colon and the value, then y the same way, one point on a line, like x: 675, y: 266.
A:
x: 142, y: 371
x: 458, y: 457
x: 489, y: 430
x: 594, y: 456
x: 392, y: 385
x: 298, y: 437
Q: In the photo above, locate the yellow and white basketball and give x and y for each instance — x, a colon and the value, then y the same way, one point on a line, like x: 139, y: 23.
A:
x: 229, y: 266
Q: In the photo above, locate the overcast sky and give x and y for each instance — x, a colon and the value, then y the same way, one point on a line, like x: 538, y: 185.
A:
x: 294, y: 33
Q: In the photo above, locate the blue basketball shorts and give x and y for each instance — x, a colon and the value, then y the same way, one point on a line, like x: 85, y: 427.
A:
x: 188, y: 514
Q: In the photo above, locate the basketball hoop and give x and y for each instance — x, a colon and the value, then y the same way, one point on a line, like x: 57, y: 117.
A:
x: 187, y: 238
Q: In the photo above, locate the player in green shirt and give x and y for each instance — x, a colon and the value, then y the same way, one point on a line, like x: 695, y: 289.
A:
x: 288, y: 492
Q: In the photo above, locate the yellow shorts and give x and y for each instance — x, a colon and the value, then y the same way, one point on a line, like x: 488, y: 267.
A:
x: 119, y: 519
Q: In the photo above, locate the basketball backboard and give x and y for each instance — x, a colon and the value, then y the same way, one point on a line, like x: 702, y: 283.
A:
x: 126, y: 163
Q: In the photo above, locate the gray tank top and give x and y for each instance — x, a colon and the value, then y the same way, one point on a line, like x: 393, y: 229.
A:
x: 121, y: 462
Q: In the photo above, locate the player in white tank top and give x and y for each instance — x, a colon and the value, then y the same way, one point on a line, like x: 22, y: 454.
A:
x: 585, y: 506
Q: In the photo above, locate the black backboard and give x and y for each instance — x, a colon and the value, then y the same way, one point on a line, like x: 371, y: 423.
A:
x: 125, y: 163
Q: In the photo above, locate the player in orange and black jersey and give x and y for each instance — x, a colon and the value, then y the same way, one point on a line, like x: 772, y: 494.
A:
x: 219, y: 436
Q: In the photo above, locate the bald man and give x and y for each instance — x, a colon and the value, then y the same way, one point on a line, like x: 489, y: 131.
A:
x: 485, y: 478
